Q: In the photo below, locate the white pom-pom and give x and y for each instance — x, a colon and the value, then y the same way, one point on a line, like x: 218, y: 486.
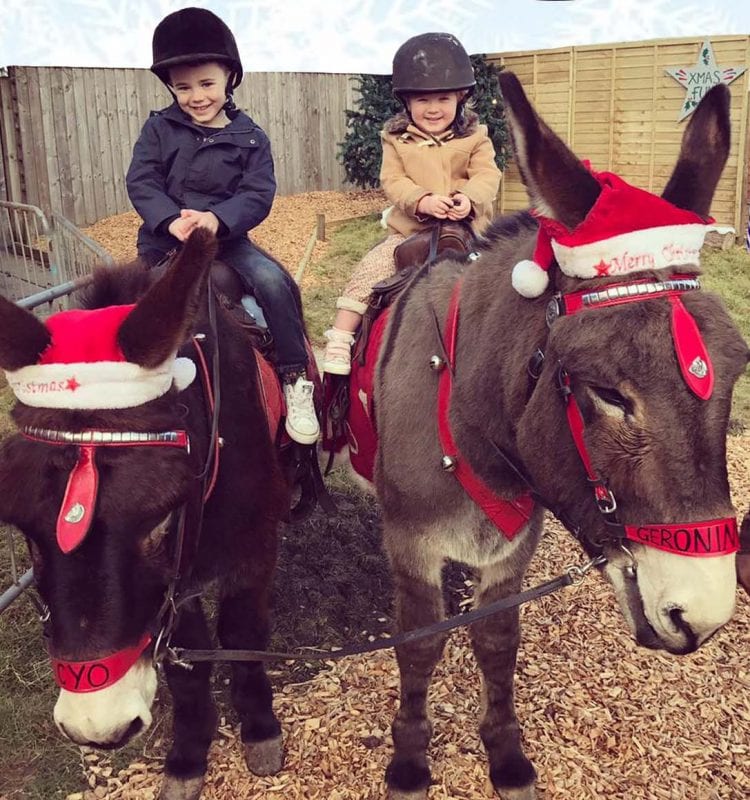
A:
x: 529, y: 279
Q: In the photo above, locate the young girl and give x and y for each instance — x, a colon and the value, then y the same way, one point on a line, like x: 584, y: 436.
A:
x: 438, y: 163
x: 202, y: 163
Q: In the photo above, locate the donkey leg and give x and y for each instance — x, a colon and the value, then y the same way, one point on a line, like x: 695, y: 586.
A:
x: 495, y: 643
x: 418, y: 602
x: 244, y: 624
x: 194, y: 714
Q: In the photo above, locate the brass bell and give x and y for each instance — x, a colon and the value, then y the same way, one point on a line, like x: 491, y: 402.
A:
x: 437, y: 363
x: 448, y: 463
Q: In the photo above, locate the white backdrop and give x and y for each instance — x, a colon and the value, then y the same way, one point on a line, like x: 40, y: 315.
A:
x: 346, y: 35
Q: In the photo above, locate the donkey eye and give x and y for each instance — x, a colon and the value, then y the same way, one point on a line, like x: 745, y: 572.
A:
x: 612, y: 398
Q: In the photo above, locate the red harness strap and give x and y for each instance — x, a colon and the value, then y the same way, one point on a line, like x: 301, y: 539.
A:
x: 90, y: 676
x: 717, y: 537
x: 509, y: 516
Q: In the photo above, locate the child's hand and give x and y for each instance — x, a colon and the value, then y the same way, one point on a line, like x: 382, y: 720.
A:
x: 435, y: 205
x: 180, y: 228
x: 460, y: 208
x: 201, y: 219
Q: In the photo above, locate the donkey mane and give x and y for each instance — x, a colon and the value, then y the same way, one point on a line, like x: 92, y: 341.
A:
x: 509, y: 226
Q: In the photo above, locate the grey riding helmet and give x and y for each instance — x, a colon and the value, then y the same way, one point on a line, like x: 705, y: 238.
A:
x: 432, y: 62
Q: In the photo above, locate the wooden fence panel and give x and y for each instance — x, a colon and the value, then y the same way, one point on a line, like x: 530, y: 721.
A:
x: 68, y: 134
x: 623, y: 108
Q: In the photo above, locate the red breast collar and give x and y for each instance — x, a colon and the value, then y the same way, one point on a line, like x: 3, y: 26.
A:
x: 509, y: 516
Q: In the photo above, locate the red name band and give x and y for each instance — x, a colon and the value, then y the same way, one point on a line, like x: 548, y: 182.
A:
x: 90, y: 676
x: 718, y: 537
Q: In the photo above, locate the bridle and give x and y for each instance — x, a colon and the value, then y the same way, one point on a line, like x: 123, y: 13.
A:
x: 702, y: 538
x: 77, y: 512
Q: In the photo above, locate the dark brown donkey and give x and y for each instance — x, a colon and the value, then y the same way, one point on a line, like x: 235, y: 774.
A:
x: 610, y: 390
x: 104, y: 547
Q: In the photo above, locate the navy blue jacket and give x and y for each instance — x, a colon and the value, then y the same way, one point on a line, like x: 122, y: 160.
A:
x: 177, y: 165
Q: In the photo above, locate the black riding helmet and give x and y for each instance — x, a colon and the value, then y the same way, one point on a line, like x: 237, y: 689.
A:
x: 432, y: 62
x: 195, y: 34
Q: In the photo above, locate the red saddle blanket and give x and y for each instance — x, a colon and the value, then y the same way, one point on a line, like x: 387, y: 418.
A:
x: 272, y: 395
x: 359, y: 431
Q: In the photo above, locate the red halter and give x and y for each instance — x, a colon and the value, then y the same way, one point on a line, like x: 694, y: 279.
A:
x: 79, y: 502
x: 90, y: 676
x: 706, y: 538
x: 74, y: 522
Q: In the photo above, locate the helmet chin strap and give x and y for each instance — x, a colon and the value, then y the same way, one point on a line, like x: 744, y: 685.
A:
x: 229, y: 105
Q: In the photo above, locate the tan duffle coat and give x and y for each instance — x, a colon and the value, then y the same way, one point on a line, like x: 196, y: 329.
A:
x: 416, y: 164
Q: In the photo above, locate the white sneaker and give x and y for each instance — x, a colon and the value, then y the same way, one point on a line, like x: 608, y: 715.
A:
x: 301, y: 419
x: 337, y: 359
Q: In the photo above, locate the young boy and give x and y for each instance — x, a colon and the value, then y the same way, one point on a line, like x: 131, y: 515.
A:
x: 202, y: 163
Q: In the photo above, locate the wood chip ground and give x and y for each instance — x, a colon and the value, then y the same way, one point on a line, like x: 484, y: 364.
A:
x: 285, y: 233
x: 602, y: 718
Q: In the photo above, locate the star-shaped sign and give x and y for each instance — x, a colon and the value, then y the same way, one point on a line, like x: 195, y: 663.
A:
x: 72, y: 384
x: 699, y: 79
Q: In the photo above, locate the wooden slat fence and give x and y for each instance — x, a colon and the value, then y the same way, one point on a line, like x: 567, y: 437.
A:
x: 67, y: 133
x: 616, y: 106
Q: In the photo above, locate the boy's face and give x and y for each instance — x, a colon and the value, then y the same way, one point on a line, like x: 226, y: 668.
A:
x: 201, y: 90
x: 433, y: 112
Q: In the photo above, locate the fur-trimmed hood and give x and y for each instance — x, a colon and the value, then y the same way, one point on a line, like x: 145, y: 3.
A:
x: 400, y: 123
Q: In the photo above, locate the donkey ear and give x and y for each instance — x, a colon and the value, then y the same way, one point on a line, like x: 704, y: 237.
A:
x: 703, y: 154
x: 558, y: 184
x: 161, y: 321
x: 23, y: 337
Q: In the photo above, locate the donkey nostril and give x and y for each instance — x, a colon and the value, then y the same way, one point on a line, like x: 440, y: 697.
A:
x: 682, y: 626
x: 675, y: 615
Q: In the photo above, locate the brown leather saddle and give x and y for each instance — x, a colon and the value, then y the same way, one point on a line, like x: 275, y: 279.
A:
x: 437, y: 240
x: 441, y: 240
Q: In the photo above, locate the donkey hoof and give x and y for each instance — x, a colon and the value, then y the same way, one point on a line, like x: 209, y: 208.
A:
x: 173, y: 788
x: 524, y: 793
x: 408, y: 780
x: 514, y: 778
x: 400, y: 794
x: 265, y: 757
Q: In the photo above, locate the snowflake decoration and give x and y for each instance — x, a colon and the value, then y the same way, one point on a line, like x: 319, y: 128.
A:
x: 595, y: 21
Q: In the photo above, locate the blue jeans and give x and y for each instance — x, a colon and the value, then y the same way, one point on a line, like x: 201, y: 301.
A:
x: 273, y: 289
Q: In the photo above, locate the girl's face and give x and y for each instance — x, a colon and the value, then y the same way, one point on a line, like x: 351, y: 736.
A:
x: 433, y: 112
x: 200, y: 91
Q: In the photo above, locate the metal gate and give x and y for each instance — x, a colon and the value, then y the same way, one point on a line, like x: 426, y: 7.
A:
x: 40, y: 265
x: 36, y: 256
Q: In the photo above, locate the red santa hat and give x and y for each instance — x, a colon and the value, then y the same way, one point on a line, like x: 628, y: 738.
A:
x: 84, y: 368
x: 627, y: 230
